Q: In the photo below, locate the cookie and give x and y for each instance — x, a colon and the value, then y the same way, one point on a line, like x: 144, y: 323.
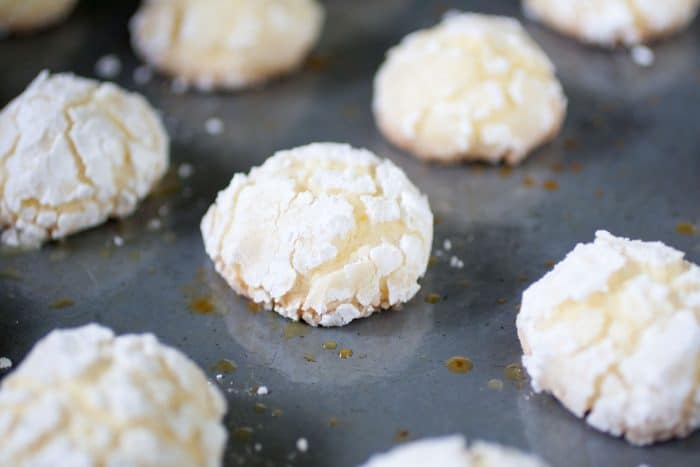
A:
x: 324, y: 233
x: 609, y: 23
x: 234, y: 44
x: 452, y: 451
x: 30, y: 15
x: 86, y: 397
x: 474, y: 87
x: 613, y: 332
x: 73, y: 153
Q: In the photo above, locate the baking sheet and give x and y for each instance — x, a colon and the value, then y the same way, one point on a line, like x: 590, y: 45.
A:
x: 628, y: 160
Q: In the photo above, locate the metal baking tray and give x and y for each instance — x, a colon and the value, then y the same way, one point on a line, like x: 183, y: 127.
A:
x: 628, y: 160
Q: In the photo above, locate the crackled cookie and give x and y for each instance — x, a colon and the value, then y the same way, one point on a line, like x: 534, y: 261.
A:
x: 228, y: 44
x: 73, y: 153
x: 614, y: 333
x: 324, y: 233
x: 29, y: 15
x: 452, y: 451
x: 475, y: 87
x: 612, y: 22
x: 84, y: 397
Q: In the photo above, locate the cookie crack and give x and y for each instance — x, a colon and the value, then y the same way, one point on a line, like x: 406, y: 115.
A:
x: 3, y: 171
x: 34, y: 445
x: 77, y: 158
x: 640, y: 22
x: 230, y: 219
x: 178, y: 18
x: 689, y: 399
x: 128, y: 156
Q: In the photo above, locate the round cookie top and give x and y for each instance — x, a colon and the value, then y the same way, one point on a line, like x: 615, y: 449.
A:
x: 474, y: 87
x: 614, y: 333
x: 324, y: 232
x: 87, y: 397
x: 612, y: 22
x: 74, y: 152
x: 452, y: 451
x: 29, y: 15
x: 226, y: 44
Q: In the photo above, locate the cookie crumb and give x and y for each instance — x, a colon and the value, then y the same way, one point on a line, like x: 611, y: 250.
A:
x: 214, y: 126
x: 154, y: 224
x: 185, y: 170
x: 642, y: 55
x: 108, y: 67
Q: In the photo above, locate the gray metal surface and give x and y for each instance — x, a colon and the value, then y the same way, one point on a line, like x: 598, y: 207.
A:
x: 634, y: 132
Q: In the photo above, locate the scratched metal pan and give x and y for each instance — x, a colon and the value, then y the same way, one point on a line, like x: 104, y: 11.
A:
x: 627, y: 160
